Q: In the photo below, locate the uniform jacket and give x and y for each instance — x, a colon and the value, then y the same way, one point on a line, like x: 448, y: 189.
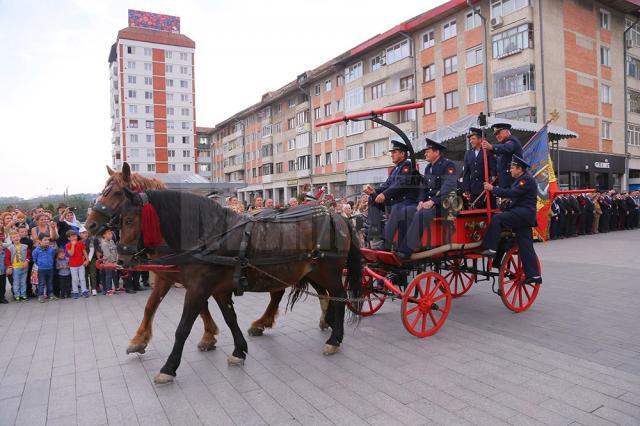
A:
x: 439, y: 179
x: 504, y: 152
x: 398, y: 186
x: 473, y: 175
x: 523, y: 194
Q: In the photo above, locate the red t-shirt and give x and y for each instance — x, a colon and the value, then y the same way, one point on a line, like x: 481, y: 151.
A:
x: 77, y: 259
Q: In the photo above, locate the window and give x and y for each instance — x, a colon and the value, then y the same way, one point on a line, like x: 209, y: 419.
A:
x: 450, y: 65
x: 148, y: 81
x: 328, y: 133
x: 327, y: 85
x: 291, y: 123
x: 151, y: 153
x: 605, y: 19
x: 633, y: 134
x: 149, y: 138
x: 340, y: 156
x: 168, y: 54
x: 516, y: 80
x: 148, y: 95
x: 151, y: 167
x: 316, y: 90
x: 169, y: 82
x: 428, y: 39
x: 376, y: 62
x: 449, y: 30
x: 133, y: 138
x: 377, y: 91
x: 135, y: 167
x: 267, y: 169
x: 376, y: 149
x: 302, y: 117
x: 429, y: 72
x: 471, y: 20
x: 184, y: 56
x: 354, y: 98
x: 291, y: 145
x: 340, y: 130
x: 131, y: 65
x: 184, y: 97
x: 318, y: 160
x: 184, y: 125
x: 186, y: 167
x: 169, y: 96
x: 451, y: 100
x: 279, y: 167
x: 184, y: 112
x: 522, y: 114
x: 327, y: 159
x: 354, y: 72
x: 171, y: 139
x: 292, y: 102
x: 430, y: 105
x: 266, y: 150
x: 172, y: 167
x: 132, y: 93
x: 327, y: 110
x: 633, y: 67
x: 277, y: 128
x: 407, y: 115
x: 475, y: 93
x: 316, y: 113
x: 340, y: 80
x: 512, y: 41
x: 134, y: 152
x: 184, y: 70
x: 406, y: 83
x: 318, y: 136
x: 131, y: 50
x: 148, y: 124
x: 279, y: 147
x: 171, y: 124
x: 184, y: 84
x: 304, y: 162
x: 474, y: 57
x: 147, y: 51
x: 355, y: 152
x: 133, y: 124
x: 186, y: 153
x: 634, y: 101
x: 171, y: 153
x: 604, y: 56
x: 633, y: 35
x: 398, y: 51
x: 605, y: 94
x: 339, y: 105
x: 170, y: 111
x: 131, y: 79
x: 505, y: 7
x: 147, y: 66
x: 606, y: 130
x: 355, y: 127
x: 266, y: 131
x: 133, y: 109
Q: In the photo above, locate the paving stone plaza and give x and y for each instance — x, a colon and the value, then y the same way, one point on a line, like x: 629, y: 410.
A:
x: 573, y: 358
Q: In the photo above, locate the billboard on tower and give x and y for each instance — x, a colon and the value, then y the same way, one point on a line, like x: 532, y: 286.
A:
x: 154, y: 21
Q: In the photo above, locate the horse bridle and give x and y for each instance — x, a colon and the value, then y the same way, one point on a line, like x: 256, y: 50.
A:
x: 137, y: 251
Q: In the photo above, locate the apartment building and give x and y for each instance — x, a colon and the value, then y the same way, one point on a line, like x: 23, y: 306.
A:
x: 542, y: 55
x: 151, y: 71
x: 204, y: 152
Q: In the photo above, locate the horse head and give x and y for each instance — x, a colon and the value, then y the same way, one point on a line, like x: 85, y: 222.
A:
x: 130, y: 214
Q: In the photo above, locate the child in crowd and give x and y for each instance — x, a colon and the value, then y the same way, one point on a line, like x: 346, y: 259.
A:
x: 90, y: 272
x: 109, y: 254
x: 78, y: 259
x: 64, y: 274
x: 44, y: 258
x: 3, y: 276
x: 18, y: 265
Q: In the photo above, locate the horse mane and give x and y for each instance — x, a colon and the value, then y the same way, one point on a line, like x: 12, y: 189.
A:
x: 187, y: 220
x: 138, y: 181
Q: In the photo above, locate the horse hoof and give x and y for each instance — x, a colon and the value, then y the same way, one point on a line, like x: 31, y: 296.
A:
x: 234, y: 360
x: 206, y: 346
x: 323, y: 325
x: 256, y: 331
x: 330, y: 349
x: 136, y: 347
x: 163, y: 379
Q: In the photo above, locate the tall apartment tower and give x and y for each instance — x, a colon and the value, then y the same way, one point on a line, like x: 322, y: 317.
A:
x: 153, y: 108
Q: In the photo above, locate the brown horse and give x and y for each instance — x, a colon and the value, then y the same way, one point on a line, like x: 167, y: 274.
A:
x: 106, y: 209
x: 298, y: 247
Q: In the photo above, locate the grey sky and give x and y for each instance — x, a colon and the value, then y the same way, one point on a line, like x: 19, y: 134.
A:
x: 54, y: 75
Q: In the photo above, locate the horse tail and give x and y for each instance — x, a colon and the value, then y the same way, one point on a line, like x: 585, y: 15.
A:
x: 354, y: 270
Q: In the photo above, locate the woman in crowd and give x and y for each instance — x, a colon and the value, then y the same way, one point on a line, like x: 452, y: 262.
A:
x: 44, y: 226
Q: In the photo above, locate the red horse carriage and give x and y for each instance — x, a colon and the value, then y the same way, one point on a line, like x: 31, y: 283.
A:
x: 448, y: 267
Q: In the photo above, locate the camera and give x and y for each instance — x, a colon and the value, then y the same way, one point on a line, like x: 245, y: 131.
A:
x: 72, y: 209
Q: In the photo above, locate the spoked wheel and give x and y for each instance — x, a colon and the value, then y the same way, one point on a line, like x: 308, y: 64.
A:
x: 426, y: 304
x: 373, y: 301
x: 460, y: 281
x: 515, y: 294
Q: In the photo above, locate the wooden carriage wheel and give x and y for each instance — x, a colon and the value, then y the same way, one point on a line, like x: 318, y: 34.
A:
x: 426, y: 304
x: 516, y: 296
x: 373, y: 301
x: 459, y: 281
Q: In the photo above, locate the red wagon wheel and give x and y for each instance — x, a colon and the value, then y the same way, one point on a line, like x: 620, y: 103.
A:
x: 516, y: 295
x: 459, y: 281
x: 426, y: 304
x: 373, y: 301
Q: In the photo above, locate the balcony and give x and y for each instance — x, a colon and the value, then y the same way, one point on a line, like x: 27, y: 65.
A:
x: 403, y: 66
x: 518, y: 100
x: 233, y: 168
x: 302, y: 106
x: 232, y: 136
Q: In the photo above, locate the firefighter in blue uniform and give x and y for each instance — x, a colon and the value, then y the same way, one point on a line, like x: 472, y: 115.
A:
x: 473, y: 176
x: 519, y: 216
x: 509, y: 146
x: 440, y: 178
x: 397, y: 192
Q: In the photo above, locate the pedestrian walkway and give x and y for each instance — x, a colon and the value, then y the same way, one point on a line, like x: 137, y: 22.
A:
x: 573, y: 358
